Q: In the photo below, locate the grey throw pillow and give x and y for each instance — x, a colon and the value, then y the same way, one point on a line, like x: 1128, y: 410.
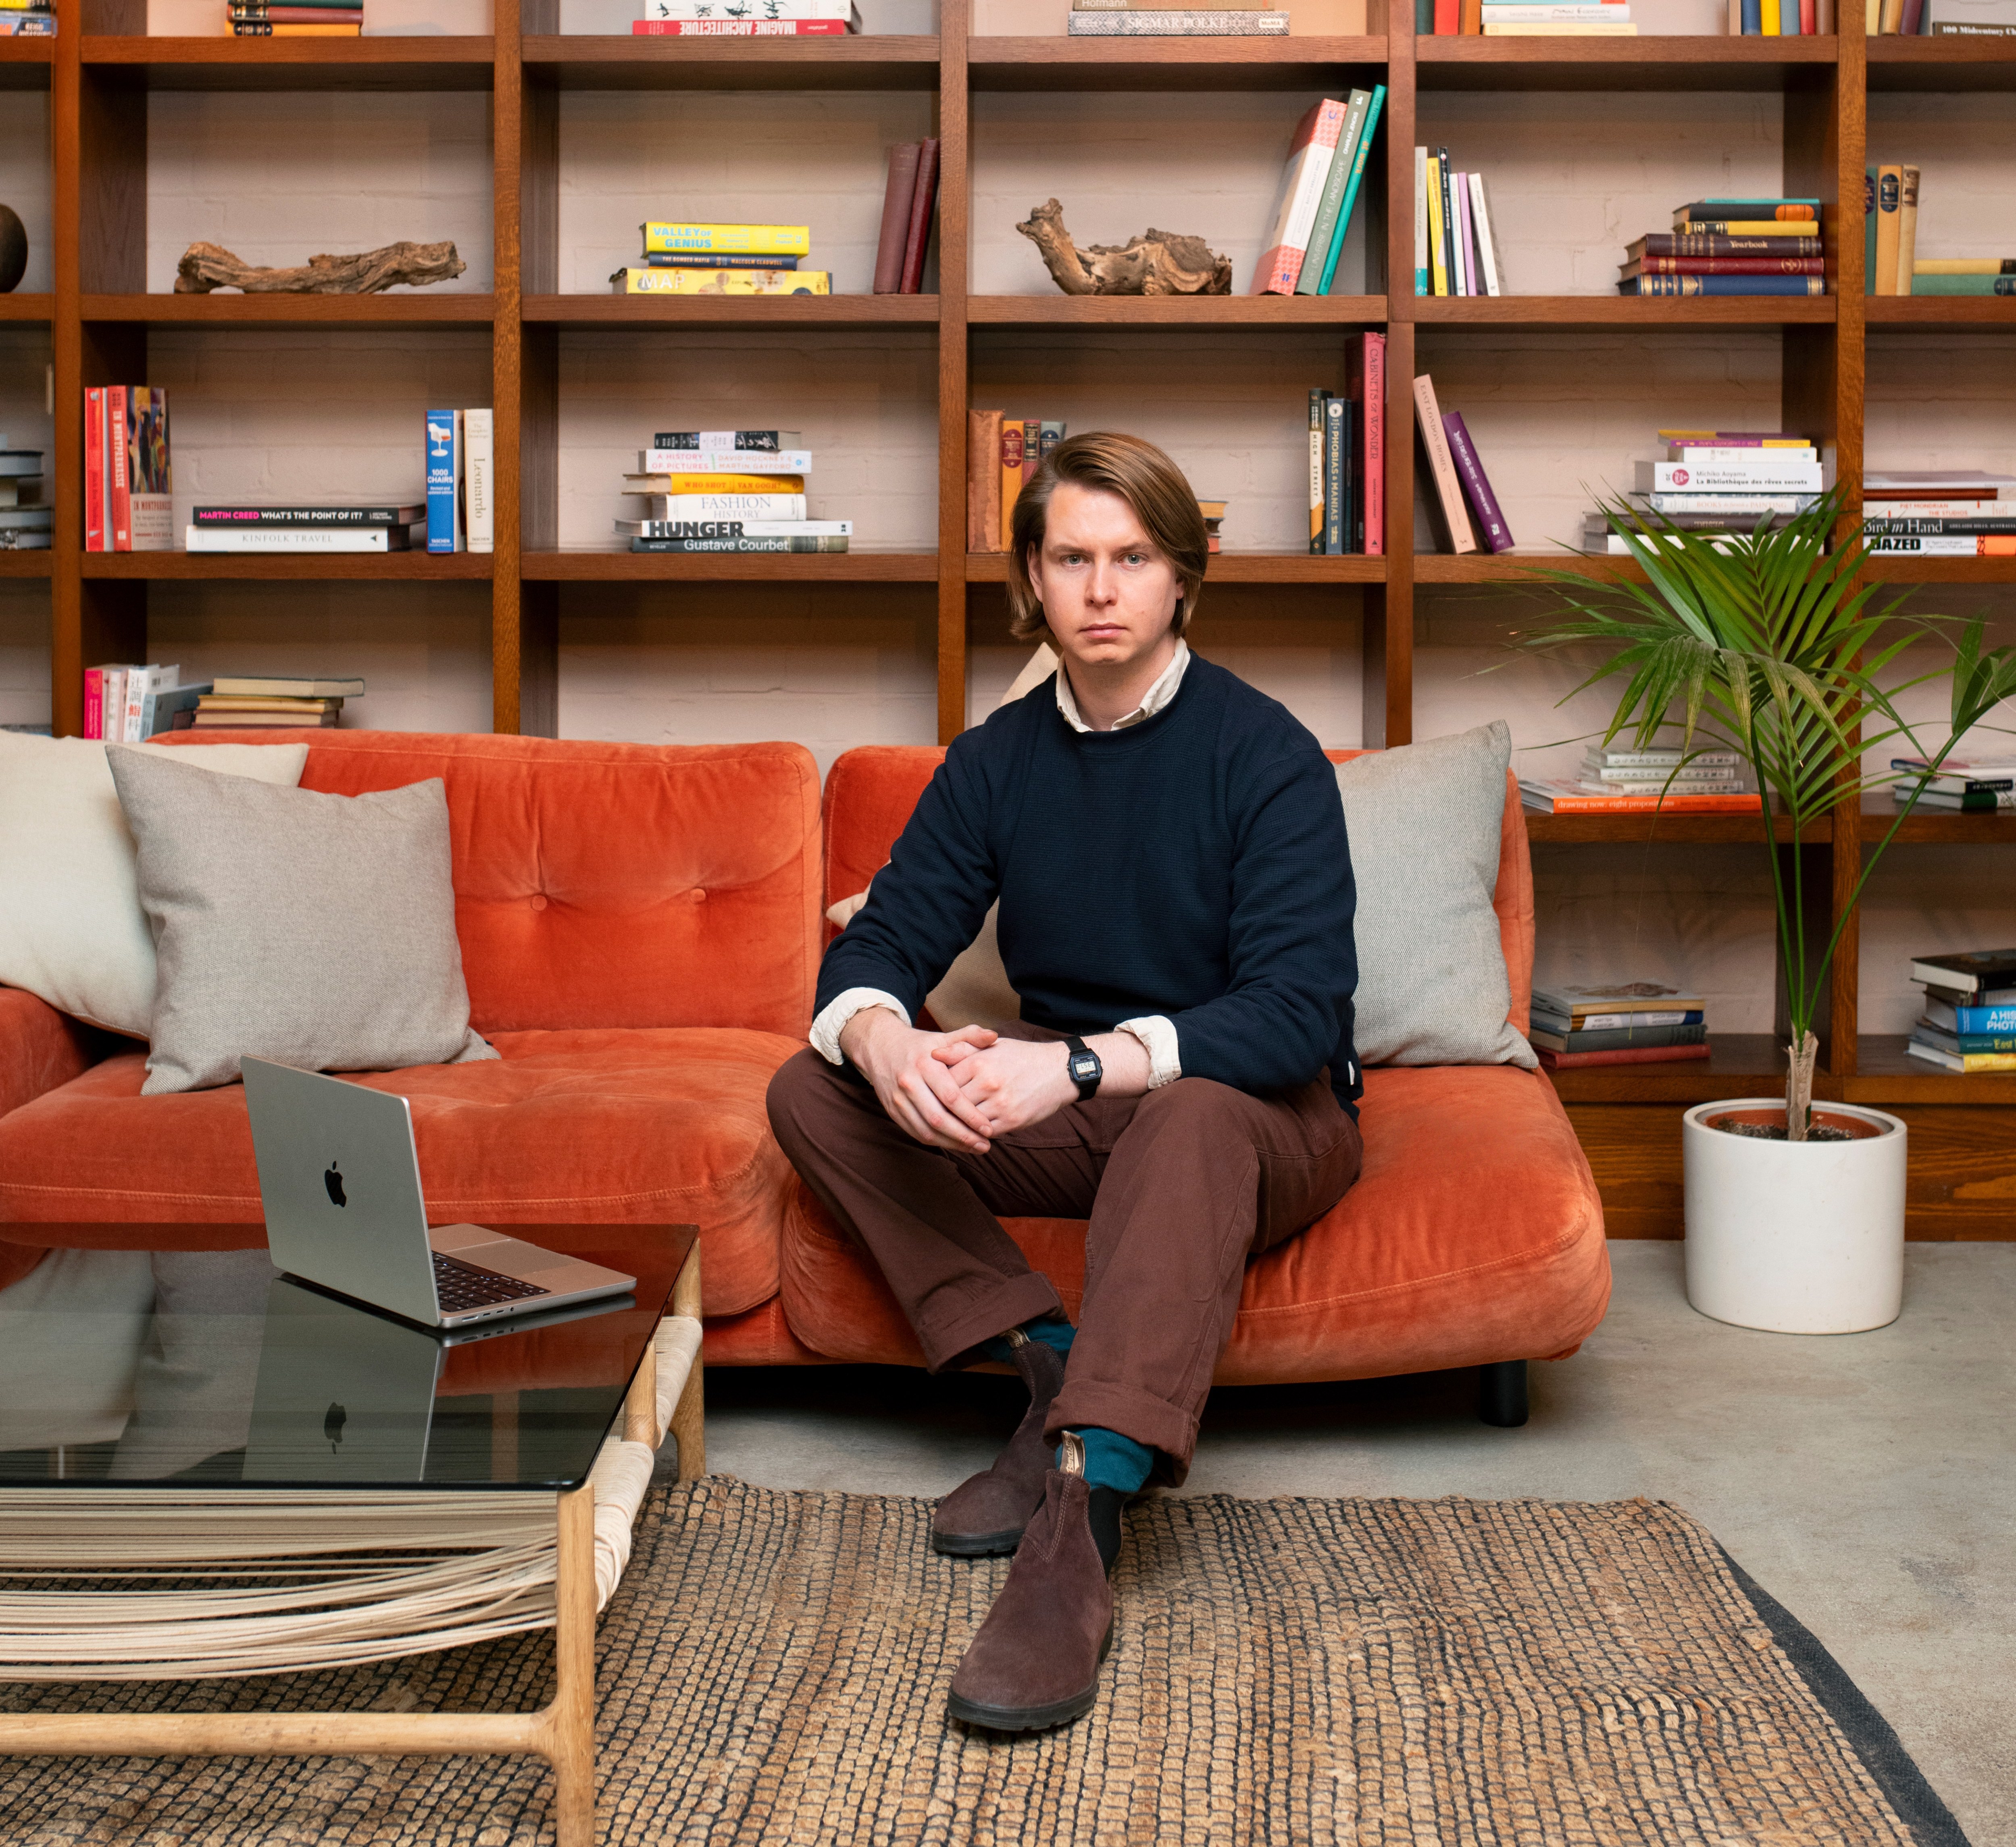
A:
x: 318, y: 930
x: 1424, y: 821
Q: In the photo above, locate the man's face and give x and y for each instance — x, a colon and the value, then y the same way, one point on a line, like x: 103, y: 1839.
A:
x: 1109, y: 594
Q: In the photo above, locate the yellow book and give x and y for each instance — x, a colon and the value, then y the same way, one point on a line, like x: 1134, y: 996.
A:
x: 1889, y: 188
x: 1714, y: 435
x: 1907, y: 229
x: 1769, y: 27
x: 1436, y: 262
x: 723, y: 483
x: 1965, y: 265
x: 722, y: 281
x: 1892, y: 15
x: 730, y: 240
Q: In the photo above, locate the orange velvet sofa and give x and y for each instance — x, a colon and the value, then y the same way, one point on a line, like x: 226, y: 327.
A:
x: 1472, y: 1237
x: 640, y: 930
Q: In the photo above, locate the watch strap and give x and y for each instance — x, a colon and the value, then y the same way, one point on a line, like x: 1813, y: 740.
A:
x: 1088, y: 1087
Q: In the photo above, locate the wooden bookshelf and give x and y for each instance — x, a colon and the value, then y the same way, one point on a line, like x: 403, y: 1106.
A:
x: 101, y: 319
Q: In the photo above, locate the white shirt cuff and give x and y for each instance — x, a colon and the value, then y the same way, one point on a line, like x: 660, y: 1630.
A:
x: 1158, y: 1035
x: 832, y: 1019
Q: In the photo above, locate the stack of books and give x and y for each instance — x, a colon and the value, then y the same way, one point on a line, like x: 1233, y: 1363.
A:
x: 745, y: 19
x: 1001, y: 453
x: 1214, y: 521
x: 685, y: 259
x: 1783, y: 19
x: 1725, y: 481
x: 127, y: 704
x: 1731, y: 246
x: 1943, y: 18
x: 1348, y: 455
x: 738, y: 490
x: 1524, y: 19
x: 270, y: 702
x: 1939, y: 512
x: 1319, y: 196
x: 28, y: 19
x: 1630, y: 1022
x: 462, y: 481
x: 1452, y: 474
x: 906, y: 217
x: 283, y: 531
x: 1968, y: 785
x: 26, y: 520
x: 1456, y: 244
x: 296, y: 18
x: 1969, y: 1023
x: 1173, y: 19
x: 1890, y: 232
x: 128, y: 502
x: 1615, y: 780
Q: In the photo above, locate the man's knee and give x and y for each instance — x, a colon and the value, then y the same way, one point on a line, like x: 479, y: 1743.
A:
x: 1199, y: 1105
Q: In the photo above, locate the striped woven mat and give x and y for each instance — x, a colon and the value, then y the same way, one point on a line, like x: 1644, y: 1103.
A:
x: 1383, y: 1673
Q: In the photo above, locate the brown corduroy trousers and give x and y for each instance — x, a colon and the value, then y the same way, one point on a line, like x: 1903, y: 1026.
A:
x: 1180, y: 1186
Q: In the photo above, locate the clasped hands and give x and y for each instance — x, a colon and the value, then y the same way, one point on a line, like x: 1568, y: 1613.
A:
x: 959, y: 1090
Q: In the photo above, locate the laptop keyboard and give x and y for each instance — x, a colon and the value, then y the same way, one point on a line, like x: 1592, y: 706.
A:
x: 463, y: 1286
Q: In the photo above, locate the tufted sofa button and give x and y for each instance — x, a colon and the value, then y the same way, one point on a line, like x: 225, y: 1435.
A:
x: 538, y: 900
x: 699, y: 895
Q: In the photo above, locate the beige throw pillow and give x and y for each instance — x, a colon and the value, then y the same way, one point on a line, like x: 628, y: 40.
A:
x: 1424, y: 821
x: 316, y: 929
x: 71, y: 928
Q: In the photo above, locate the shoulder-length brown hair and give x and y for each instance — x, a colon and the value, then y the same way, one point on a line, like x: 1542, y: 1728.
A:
x: 1142, y: 476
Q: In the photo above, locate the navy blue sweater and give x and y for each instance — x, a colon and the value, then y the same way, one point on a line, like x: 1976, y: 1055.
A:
x: 1195, y: 865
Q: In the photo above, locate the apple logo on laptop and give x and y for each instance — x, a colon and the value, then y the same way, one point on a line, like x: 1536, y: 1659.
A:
x: 333, y: 1181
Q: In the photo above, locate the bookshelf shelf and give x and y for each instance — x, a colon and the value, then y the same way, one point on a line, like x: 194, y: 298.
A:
x: 1615, y: 311
x: 221, y: 566
x: 385, y: 64
x: 1061, y: 64
x: 1702, y: 62
x: 25, y: 63
x: 419, y: 309
x: 1897, y: 63
x: 98, y: 604
x: 733, y: 314
x: 616, y: 567
x: 598, y: 62
x: 1174, y: 310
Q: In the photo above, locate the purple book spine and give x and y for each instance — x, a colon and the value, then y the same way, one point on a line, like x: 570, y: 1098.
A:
x: 1491, y: 527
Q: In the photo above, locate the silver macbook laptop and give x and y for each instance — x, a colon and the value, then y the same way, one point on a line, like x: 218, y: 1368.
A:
x: 340, y: 1184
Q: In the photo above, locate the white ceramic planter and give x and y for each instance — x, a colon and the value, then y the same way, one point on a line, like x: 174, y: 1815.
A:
x: 1798, y: 1237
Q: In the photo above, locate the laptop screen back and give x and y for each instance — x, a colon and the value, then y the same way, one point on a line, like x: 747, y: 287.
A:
x: 340, y: 1184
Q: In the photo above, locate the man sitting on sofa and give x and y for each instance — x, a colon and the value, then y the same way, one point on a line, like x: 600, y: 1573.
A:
x: 1169, y: 854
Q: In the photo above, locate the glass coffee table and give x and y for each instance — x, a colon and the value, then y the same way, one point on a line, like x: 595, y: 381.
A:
x: 208, y: 1469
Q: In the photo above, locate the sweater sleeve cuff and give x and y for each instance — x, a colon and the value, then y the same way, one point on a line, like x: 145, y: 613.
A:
x: 842, y: 1007
x: 1158, y: 1035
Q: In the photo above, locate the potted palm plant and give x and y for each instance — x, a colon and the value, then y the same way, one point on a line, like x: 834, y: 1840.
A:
x: 1773, y: 645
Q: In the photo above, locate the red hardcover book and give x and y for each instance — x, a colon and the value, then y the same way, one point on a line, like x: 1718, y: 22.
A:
x: 1624, y: 1055
x: 94, y: 468
x: 1809, y: 16
x: 920, y: 233
x: 94, y: 702
x: 1448, y: 14
x: 1725, y: 266
x: 896, y: 216
x: 1365, y: 382
x: 120, y: 517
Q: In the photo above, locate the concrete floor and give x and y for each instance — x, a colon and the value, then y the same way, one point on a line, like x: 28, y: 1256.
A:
x: 1865, y: 1481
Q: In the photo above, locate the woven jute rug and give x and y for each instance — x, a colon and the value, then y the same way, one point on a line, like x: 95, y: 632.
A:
x: 1384, y: 1673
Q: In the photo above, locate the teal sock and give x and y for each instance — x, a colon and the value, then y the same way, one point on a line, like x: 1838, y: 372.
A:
x: 1053, y: 1330
x: 1112, y: 1460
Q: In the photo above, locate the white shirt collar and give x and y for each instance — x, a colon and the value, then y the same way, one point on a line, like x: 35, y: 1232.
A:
x: 1152, y: 701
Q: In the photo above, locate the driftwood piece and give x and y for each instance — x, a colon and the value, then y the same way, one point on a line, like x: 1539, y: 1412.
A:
x: 1156, y: 263
x: 205, y: 267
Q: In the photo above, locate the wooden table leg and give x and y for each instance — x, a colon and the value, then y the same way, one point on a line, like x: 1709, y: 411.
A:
x: 567, y: 1726
x: 689, y: 1414
x: 640, y: 1408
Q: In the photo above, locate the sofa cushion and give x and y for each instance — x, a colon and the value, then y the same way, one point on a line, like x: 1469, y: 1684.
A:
x: 662, y: 1125
x: 613, y: 885
x: 1475, y: 1234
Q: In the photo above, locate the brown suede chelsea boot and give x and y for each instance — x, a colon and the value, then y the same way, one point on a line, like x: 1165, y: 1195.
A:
x: 1035, y: 1662
x: 985, y: 1515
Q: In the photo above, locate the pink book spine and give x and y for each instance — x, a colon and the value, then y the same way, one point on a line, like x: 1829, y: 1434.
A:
x: 1374, y: 421
x: 1316, y: 137
x: 94, y: 702
x: 94, y: 467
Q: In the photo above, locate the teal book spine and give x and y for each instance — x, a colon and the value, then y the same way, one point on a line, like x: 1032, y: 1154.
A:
x: 1963, y: 285
x: 1329, y: 209
x: 1351, y: 187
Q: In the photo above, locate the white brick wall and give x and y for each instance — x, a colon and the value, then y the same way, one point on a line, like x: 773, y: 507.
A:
x: 25, y: 178
x: 1962, y: 145
x: 390, y: 19
x: 24, y: 652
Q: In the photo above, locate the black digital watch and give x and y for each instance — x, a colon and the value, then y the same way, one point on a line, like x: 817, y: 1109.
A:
x: 1084, y: 1067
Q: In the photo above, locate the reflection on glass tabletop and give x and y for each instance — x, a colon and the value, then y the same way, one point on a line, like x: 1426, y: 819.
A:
x: 121, y: 1368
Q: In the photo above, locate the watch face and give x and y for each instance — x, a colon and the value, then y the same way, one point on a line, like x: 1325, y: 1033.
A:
x: 1084, y: 1065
